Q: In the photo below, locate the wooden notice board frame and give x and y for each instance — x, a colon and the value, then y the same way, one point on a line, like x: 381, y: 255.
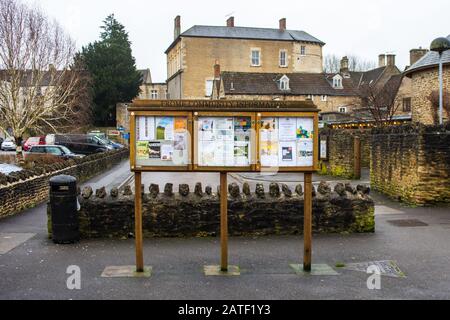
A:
x: 194, y: 109
x: 314, y: 116
x: 218, y: 114
x: 134, y: 115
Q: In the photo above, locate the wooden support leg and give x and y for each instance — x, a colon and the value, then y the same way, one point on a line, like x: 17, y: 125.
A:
x: 307, y: 259
x: 357, y: 164
x: 138, y: 223
x: 224, y: 221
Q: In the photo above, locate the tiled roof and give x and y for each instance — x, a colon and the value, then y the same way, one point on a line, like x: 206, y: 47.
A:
x: 250, y: 33
x: 431, y: 59
x: 247, y: 33
x: 237, y: 83
x: 146, y: 76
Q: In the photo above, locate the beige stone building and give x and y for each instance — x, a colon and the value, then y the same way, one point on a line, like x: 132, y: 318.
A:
x: 332, y: 93
x: 151, y: 90
x: 238, y: 49
x: 424, y: 75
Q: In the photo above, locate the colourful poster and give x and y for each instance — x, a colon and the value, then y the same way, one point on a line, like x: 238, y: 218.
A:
x: 142, y: 150
x: 154, y: 150
x: 164, y: 128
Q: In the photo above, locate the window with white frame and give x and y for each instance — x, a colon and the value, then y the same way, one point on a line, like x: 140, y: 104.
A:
x: 303, y: 50
x: 283, y: 58
x: 324, y: 98
x: 209, y: 88
x: 337, y: 82
x: 310, y: 97
x: 154, y: 94
x: 284, y: 83
x: 256, y: 57
x: 343, y: 109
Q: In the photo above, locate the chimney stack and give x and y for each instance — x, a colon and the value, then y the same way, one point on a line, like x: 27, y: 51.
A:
x: 390, y: 60
x: 381, y: 60
x: 283, y: 24
x: 230, y: 22
x: 217, y: 70
x: 344, y: 65
x: 177, y: 31
x: 416, y: 54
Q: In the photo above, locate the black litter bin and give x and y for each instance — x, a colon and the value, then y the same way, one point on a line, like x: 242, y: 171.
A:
x: 63, y: 202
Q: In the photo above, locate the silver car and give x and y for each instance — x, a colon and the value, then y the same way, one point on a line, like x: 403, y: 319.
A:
x: 9, y: 145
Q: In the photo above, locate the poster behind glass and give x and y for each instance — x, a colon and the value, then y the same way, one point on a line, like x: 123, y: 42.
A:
x: 224, y: 141
x: 287, y: 142
x: 162, y: 141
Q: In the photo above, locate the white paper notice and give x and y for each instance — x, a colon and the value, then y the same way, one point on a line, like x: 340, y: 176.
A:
x: 146, y: 128
x: 167, y: 152
x: 305, y: 153
x: 287, y: 129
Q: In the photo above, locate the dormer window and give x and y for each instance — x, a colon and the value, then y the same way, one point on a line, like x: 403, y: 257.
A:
x: 284, y: 83
x: 337, y: 82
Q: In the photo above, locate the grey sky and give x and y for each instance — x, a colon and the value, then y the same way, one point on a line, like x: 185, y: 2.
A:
x: 365, y: 27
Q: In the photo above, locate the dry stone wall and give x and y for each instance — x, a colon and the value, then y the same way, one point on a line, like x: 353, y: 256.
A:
x: 195, y: 214
x: 28, y: 188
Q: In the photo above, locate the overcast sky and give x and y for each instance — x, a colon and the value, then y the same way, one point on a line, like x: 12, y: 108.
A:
x: 361, y: 27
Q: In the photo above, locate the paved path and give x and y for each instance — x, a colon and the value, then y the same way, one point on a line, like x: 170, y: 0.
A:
x: 32, y: 267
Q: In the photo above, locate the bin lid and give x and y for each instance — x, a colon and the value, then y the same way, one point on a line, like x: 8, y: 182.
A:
x: 63, y: 180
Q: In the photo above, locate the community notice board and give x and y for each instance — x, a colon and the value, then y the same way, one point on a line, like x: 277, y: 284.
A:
x: 225, y: 141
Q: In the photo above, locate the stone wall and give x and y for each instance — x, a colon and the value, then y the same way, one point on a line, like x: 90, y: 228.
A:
x: 28, y: 188
x: 197, y: 214
x: 423, y: 84
x: 411, y: 163
x: 341, y: 145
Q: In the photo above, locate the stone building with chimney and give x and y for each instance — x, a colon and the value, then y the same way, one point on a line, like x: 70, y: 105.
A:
x: 424, y: 77
x: 333, y: 93
x: 239, y: 49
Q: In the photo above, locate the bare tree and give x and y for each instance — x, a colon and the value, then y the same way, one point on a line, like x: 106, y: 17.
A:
x: 40, y: 82
x: 379, y: 102
x: 332, y: 64
x: 434, y: 100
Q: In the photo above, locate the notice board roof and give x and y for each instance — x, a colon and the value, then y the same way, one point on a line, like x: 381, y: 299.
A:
x: 223, y: 105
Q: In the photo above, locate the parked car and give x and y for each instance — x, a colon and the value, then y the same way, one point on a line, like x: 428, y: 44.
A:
x: 58, y: 151
x: 79, y: 143
x: 33, y: 141
x: 9, y: 145
x: 108, y: 141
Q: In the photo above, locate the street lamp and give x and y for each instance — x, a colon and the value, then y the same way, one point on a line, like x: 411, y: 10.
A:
x: 440, y: 45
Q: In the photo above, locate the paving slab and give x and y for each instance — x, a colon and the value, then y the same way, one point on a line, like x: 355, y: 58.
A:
x: 10, y: 241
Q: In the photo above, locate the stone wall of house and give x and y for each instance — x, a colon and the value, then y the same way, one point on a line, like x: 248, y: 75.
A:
x: 28, y: 188
x: 341, y: 151
x: 423, y: 84
x: 197, y: 214
x: 199, y: 55
x: 411, y: 163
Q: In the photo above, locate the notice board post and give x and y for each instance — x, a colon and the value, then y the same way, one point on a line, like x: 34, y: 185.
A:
x: 224, y: 137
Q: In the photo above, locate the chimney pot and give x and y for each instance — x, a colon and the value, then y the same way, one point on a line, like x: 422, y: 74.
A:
x: 217, y: 71
x: 382, y: 60
x: 283, y: 24
x: 416, y: 54
x: 177, y: 29
x: 344, y: 65
x: 230, y: 22
x: 390, y: 60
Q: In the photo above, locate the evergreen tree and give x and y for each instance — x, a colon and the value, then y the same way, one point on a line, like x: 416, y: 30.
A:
x: 113, y: 71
